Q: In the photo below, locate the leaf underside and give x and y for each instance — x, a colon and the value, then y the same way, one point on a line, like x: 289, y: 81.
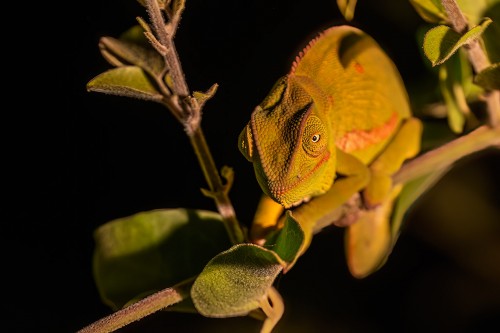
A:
x: 234, y: 282
x: 148, y: 251
x: 441, y: 42
x: 129, y: 81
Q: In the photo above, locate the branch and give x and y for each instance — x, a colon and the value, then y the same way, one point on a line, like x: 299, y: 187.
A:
x: 447, y: 154
x: 437, y: 159
x: 140, y: 309
x: 165, y: 39
x: 477, y: 58
x: 188, y: 111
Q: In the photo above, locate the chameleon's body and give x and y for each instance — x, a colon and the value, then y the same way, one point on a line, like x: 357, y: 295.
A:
x: 341, y: 110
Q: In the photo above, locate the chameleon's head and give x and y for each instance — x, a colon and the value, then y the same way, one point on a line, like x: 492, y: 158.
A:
x: 289, y: 142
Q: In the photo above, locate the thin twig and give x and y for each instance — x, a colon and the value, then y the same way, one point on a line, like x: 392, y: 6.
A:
x: 457, y: 18
x: 445, y: 155
x: 140, y: 309
x: 217, y: 190
x: 477, y: 58
x: 190, y: 115
x: 171, y: 57
x: 273, y: 307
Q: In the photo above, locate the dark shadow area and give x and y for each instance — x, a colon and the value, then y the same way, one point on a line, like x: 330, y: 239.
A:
x: 82, y: 159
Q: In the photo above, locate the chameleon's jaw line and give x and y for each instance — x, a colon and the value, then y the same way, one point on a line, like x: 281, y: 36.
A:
x: 301, y: 201
x: 280, y: 192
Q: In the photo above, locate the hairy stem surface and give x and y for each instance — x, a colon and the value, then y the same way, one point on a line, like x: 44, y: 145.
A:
x: 477, y: 57
x: 191, y: 118
x: 140, y: 309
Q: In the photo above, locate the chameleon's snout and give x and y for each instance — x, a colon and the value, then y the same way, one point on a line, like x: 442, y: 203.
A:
x: 245, y: 143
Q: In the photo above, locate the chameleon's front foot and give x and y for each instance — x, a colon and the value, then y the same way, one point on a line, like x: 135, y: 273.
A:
x: 368, y: 241
x: 404, y: 145
x: 377, y: 190
x: 265, y: 220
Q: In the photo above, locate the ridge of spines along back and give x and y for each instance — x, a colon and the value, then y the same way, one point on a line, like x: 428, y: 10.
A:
x: 302, y: 53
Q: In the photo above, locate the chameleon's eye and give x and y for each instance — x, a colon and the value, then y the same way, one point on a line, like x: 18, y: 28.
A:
x: 314, y: 136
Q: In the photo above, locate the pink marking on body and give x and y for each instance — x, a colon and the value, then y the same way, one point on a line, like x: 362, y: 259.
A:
x: 359, y: 139
x: 330, y: 100
x: 359, y: 68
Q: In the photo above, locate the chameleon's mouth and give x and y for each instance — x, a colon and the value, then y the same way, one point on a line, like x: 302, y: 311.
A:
x: 285, y: 194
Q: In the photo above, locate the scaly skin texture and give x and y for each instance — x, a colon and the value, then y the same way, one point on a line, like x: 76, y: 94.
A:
x: 344, y: 92
x: 337, y: 112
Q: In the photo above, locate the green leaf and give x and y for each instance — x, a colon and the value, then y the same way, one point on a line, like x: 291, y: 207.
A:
x: 455, y: 78
x: 474, y: 10
x: 125, y: 53
x: 347, y: 8
x: 489, y: 78
x: 203, y: 97
x: 431, y: 11
x: 492, y: 35
x: 456, y: 118
x: 370, y: 240
x: 234, y: 282
x: 128, y: 81
x: 287, y: 241
x: 441, y: 42
x: 176, y: 7
x: 410, y: 193
x: 135, y: 35
x: 435, y: 134
x: 143, y: 253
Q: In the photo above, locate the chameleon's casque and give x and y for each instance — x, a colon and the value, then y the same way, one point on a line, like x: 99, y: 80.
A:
x: 342, y: 93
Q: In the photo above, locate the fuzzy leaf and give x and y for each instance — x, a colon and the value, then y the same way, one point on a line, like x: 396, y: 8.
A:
x: 125, y: 53
x: 474, y: 10
x: 442, y: 42
x: 456, y: 118
x: 492, y: 35
x: 203, y: 97
x: 489, y: 78
x: 431, y: 11
x: 235, y: 281
x: 128, y: 81
x: 135, y: 35
x: 143, y: 253
x: 287, y: 241
x: 410, y: 193
x: 455, y: 78
x: 177, y: 7
x: 347, y: 8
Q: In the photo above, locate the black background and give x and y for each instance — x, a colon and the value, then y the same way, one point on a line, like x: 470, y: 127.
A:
x: 82, y: 159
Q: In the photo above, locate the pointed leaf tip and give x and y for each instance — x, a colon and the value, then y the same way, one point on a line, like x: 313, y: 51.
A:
x: 129, y: 81
x: 288, y: 241
x: 431, y: 11
x: 347, y: 8
x: 234, y: 282
x: 441, y: 42
x: 149, y: 251
x: 489, y: 78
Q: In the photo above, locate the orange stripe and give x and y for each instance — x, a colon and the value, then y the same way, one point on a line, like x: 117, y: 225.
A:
x: 359, y: 139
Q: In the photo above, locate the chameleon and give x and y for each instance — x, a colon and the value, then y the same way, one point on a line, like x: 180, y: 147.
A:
x: 339, y: 123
